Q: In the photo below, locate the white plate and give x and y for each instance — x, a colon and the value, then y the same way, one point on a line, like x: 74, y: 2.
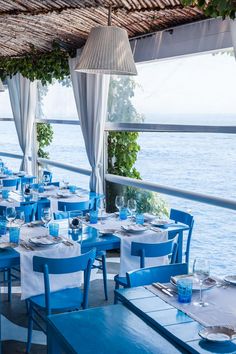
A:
x: 160, y: 222
x: 107, y: 232
x: 104, y: 216
x: 4, y: 245
x: 45, y: 241
x: 230, y: 279
x: 64, y: 195
x: 134, y: 229
x: 207, y: 284
x: 218, y: 333
x: 149, y: 217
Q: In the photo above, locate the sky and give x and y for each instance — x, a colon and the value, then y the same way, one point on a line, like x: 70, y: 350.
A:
x: 202, y: 85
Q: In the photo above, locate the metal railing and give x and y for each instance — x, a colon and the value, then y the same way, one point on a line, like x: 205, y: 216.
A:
x: 179, y: 193
x: 64, y: 166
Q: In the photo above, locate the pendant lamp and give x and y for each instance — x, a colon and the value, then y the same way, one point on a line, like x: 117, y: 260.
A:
x: 107, y: 51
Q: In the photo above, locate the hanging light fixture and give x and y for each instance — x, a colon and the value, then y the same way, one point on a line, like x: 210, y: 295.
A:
x: 2, y: 89
x: 107, y: 51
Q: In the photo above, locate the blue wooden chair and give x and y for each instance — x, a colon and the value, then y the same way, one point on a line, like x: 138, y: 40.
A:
x: 64, y: 300
x: 29, y: 209
x: 13, y: 182
x: 41, y: 204
x: 27, y: 180
x: 9, y: 259
x: 161, y: 274
x: 142, y: 250
x: 83, y: 206
x: 186, y: 219
x: 100, y: 255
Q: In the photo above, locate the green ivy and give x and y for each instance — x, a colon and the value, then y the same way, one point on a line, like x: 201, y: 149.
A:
x: 214, y: 8
x: 44, y: 138
x: 38, y: 66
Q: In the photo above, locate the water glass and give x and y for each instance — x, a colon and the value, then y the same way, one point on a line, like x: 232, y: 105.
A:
x: 54, y: 229
x: 132, y: 206
x: 3, y: 227
x: 41, y: 188
x: 46, y: 216
x: 14, y: 234
x: 119, y: 202
x: 184, y: 287
x: 123, y: 213
x: 140, y: 219
x: 10, y: 214
x: 72, y: 189
x: 201, y: 271
x: 5, y: 194
x: 93, y: 216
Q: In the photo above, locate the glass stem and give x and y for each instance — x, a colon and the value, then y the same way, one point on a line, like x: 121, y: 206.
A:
x: 200, y: 299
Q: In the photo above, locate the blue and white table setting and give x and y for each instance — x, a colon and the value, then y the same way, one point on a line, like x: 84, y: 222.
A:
x: 35, y: 241
x: 129, y: 232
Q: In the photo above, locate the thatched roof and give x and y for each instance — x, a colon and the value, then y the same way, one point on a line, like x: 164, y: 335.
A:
x: 24, y: 23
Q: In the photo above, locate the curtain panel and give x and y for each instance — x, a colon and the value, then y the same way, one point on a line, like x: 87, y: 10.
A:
x: 91, y: 95
x: 23, y: 97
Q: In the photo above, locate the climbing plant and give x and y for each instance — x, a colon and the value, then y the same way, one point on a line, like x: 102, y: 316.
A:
x: 44, y: 138
x: 37, y: 65
x: 214, y: 8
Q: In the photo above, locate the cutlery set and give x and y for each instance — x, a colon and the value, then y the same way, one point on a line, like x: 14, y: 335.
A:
x: 165, y: 289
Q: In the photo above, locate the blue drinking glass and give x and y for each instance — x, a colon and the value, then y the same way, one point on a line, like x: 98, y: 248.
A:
x: 40, y: 188
x: 93, y: 216
x: 123, y: 213
x: 5, y: 194
x: 139, y: 219
x: 3, y: 227
x: 14, y: 234
x: 54, y: 229
x: 184, y: 287
x: 72, y: 189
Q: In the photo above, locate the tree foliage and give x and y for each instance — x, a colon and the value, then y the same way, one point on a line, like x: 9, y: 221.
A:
x: 214, y: 8
x: 44, y: 138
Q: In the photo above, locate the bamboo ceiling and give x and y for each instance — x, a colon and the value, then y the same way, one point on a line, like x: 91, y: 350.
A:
x: 24, y: 23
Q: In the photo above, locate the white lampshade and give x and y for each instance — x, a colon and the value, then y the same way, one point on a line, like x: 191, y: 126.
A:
x: 107, y: 51
x: 2, y: 89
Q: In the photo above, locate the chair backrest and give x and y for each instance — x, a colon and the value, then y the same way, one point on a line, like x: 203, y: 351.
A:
x: 47, y: 173
x: 68, y: 206
x: 159, y: 249
x: 162, y: 274
x: 59, y: 215
x: 12, y: 182
x: 3, y: 210
x: 187, y: 219
x: 29, y: 209
x: 65, y: 266
x: 42, y: 203
x: 27, y: 180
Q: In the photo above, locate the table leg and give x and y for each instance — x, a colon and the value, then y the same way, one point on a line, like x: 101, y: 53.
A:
x: 52, y: 345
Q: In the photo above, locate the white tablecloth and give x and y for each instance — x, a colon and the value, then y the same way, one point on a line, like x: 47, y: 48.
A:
x: 32, y: 282
x: 128, y: 262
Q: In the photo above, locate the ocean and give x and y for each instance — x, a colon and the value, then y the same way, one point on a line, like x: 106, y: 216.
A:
x: 204, y: 163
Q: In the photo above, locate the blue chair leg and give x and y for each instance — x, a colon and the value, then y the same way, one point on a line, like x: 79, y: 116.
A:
x: 30, y: 328
x: 104, y: 271
x: 9, y: 284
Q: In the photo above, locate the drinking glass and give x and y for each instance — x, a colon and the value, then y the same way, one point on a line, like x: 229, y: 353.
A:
x: 46, y: 216
x: 20, y: 218
x: 201, y: 271
x: 10, y: 214
x: 54, y: 229
x: 119, y: 202
x: 66, y: 182
x: 1, y: 184
x: 14, y: 234
x: 5, y: 194
x: 93, y: 216
x: 132, y: 207
x: 102, y: 209
x: 46, y: 179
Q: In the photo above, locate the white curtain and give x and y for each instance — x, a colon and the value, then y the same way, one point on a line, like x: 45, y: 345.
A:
x: 23, y: 97
x: 91, y: 95
x: 233, y: 34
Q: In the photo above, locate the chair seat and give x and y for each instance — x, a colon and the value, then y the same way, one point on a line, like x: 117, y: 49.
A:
x: 66, y: 299
x: 121, y: 280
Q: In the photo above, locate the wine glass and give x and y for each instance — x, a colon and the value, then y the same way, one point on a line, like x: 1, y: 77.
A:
x: 1, y: 184
x: 46, y: 216
x: 201, y: 271
x: 119, y: 202
x: 20, y: 218
x: 132, y: 207
x: 102, y: 209
x: 10, y: 214
x: 66, y: 182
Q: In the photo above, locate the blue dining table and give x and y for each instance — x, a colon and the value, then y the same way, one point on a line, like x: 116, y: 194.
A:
x: 111, y: 329
x: 171, y: 322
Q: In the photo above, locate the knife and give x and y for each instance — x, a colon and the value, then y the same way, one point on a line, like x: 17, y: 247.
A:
x: 162, y: 288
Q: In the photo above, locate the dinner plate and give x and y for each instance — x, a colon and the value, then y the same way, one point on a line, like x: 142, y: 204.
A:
x: 105, y: 232
x: 218, y: 333
x: 5, y: 245
x: 134, y: 228
x: 230, y: 279
x: 45, y: 241
x: 63, y: 195
x: 104, y: 216
x: 160, y: 223
x: 207, y: 284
